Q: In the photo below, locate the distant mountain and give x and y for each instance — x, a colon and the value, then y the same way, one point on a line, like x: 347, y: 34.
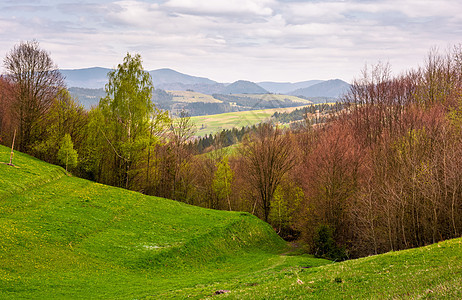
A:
x: 87, y: 97
x: 91, y: 78
x: 94, y: 78
x: 170, y: 80
x: 208, y: 89
x: 286, y: 87
x: 165, y: 76
x: 330, y: 89
x: 244, y: 87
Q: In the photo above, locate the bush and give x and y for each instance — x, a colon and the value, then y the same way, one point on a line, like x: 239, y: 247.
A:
x: 325, y: 246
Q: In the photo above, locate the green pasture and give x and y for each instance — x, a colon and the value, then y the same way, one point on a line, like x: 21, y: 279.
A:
x: 63, y: 237
x: 190, y: 97
x: 275, y: 98
x: 212, y: 124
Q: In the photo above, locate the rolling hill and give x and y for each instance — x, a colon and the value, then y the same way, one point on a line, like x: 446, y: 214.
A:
x: 89, y: 78
x: 329, y: 89
x: 243, y: 87
x: 212, y: 124
x: 286, y: 87
x: 94, y: 78
x: 196, y: 103
x: 165, y: 76
x: 67, y: 238
x: 167, y: 79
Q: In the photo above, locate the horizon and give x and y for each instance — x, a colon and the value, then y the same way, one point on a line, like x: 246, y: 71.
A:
x: 254, y: 40
x: 193, y: 75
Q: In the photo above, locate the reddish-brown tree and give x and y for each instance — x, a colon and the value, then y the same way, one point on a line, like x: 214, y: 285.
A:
x: 268, y: 156
x: 37, y: 81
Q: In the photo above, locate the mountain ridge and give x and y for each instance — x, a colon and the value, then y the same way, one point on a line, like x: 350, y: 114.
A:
x: 333, y: 88
x: 168, y: 79
x: 286, y: 87
x: 244, y: 87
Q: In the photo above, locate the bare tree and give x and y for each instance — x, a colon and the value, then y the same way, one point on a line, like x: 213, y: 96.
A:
x: 7, y: 122
x: 268, y: 157
x: 182, y: 130
x: 36, y: 81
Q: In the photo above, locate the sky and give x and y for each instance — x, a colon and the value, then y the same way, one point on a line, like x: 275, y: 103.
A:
x: 229, y: 40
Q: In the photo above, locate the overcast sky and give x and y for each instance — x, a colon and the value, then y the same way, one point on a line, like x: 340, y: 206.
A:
x: 227, y: 40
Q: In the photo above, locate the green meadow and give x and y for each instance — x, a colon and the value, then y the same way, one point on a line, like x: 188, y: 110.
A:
x: 275, y: 97
x: 62, y: 237
x: 190, y: 97
x: 211, y: 124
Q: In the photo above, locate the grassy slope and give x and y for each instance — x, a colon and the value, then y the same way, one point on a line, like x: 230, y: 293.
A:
x: 218, y: 122
x: 190, y: 97
x: 64, y: 237
x: 70, y: 238
x: 432, y: 272
x: 275, y: 97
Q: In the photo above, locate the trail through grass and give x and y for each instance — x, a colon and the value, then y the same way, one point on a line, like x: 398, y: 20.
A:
x: 63, y: 237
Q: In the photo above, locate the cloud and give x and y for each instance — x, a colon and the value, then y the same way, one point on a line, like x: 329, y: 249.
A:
x: 223, y: 7
x: 230, y: 40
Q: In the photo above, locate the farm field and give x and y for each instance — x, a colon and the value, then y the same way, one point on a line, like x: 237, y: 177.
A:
x: 190, y: 97
x: 275, y: 98
x: 67, y: 238
x: 211, y: 124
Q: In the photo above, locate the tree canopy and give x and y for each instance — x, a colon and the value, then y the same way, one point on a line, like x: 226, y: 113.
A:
x: 36, y: 82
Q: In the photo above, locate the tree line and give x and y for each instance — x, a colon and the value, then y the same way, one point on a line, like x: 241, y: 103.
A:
x: 383, y: 173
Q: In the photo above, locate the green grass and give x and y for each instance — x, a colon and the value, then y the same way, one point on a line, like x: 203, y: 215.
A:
x: 211, y: 124
x: 275, y: 97
x: 31, y: 172
x: 190, y: 97
x: 63, y: 237
x: 431, y: 272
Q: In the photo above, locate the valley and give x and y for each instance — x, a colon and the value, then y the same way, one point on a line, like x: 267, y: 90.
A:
x: 189, y: 188
x: 71, y: 238
x: 198, y: 96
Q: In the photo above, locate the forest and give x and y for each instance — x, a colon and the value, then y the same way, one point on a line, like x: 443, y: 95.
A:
x: 383, y: 173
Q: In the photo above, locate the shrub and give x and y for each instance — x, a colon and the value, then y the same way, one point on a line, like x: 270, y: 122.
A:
x: 324, y: 245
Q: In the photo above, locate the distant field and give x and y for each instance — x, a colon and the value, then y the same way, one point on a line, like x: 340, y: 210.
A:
x: 190, y: 97
x: 214, y: 123
x: 275, y: 97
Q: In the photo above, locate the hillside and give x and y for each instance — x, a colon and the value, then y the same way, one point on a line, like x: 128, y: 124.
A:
x: 91, y: 78
x: 330, y: 89
x: 191, y: 97
x: 276, y: 100
x: 243, y: 87
x: 212, y: 124
x: 87, y: 82
x: 96, y: 77
x: 286, y: 87
x: 431, y: 272
x: 68, y: 238
x: 196, y: 103
x: 165, y: 76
